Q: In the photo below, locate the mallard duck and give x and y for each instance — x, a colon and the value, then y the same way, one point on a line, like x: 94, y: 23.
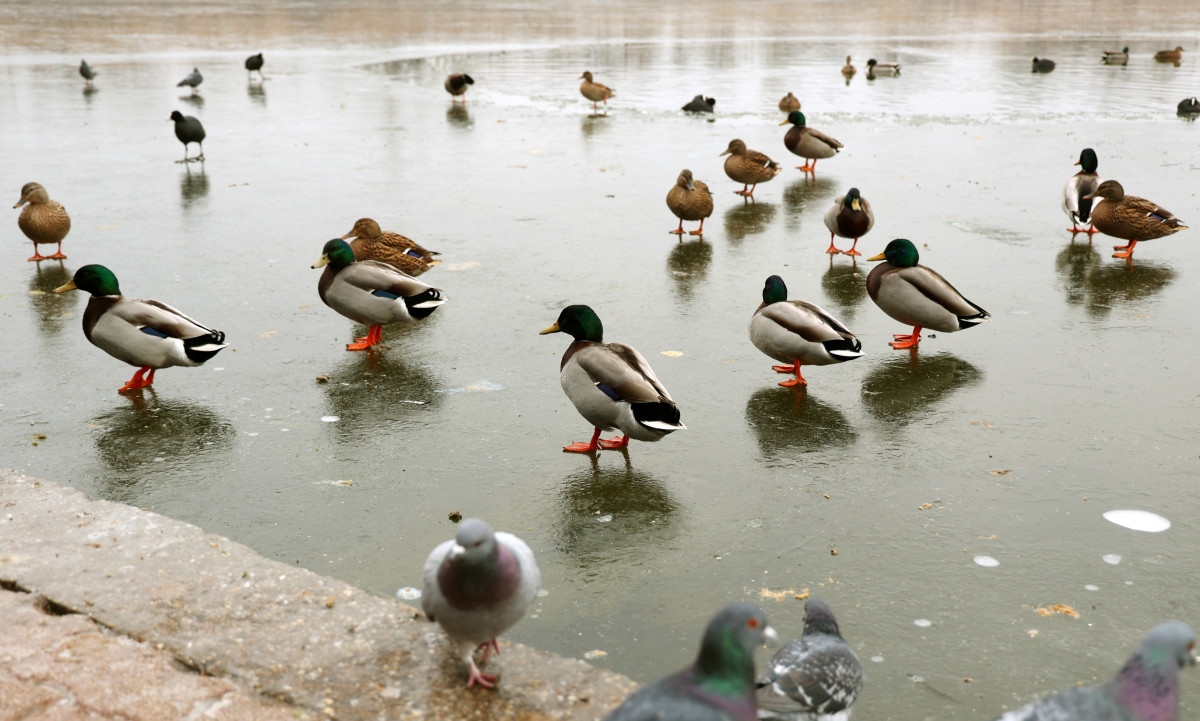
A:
x: 371, y: 292
x: 850, y: 216
x: 916, y: 295
x: 192, y: 80
x: 86, y: 71
x: 877, y: 68
x: 143, y: 333
x: 457, y: 85
x: 1116, y: 57
x: 1170, y: 56
x: 371, y: 243
x: 1076, y: 203
x: 748, y: 167
x: 796, y: 332
x: 255, y: 63
x: 808, y: 143
x: 1130, y: 218
x: 611, y: 384
x: 700, y: 104
x: 1042, y: 65
x: 1188, y: 106
x: 189, y: 130
x: 43, y: 220
x: 689, y: 200
x: 594, y: 91
x: 848, y: 69
x: 789, y: 103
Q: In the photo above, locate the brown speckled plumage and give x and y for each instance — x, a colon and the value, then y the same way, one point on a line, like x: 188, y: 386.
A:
x: 1130, y: 218
x: 596, y: 92
x: 43, y: 220
x: 689, y: 199
x: 748, y: 167
x: 789, y: 103
x: 372, y: 243
x: 1169, y: 56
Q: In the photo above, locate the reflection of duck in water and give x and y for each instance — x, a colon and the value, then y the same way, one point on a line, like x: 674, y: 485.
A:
x: 611, y: 385
x: 846, y: 286
x: 804, y: 192
x: 918, y: 296
x: 902, y: 387
x: 1075, y: 263
x: 178, y: 432
x: 785, y: 422
x: 748, y: 218
x: 687, y: 264
x: 52, y: 309
x: 458, y: 116
x: 193, y: 186
x: 378, y: 397
x: 639, y: 505
x: 1113, y: 286
x: 796, y: 332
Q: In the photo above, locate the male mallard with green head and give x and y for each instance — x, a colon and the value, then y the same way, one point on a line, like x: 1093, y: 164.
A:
x: 369, y: 242
x: 689, y: 199
x: 850, y: 216
x: 748, y: 167
x: 1076, y: 203
x: 916, y: 295
x: 611, y: 385
x: 809, y: 143
x: 1129, y: 217
x: 43, y: 221
x: 796, y: 332
x: 1116, y: 57
x: 143, y: 333
x: 372, y: 293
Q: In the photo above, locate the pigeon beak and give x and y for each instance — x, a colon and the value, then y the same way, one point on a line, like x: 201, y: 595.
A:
x: 771, y: 636
x: 455, y: 551
x: 69, y: 285
x: 552, y: 329
x: 324, y: 261
x: 876, y: 257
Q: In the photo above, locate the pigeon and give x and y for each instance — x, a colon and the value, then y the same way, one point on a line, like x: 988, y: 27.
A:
x: 193, y: 79
x: 813, y: 678
x: 719, y: 686
x: 86, y: 71
x: 700, y: 104
x: 189, y: 130
x: 457, y: 84
x: 254, y: 62
x: 1145, y: 689
x: 478, y: 586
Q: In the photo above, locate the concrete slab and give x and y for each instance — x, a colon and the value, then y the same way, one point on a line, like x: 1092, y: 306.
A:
x: 215, y: 608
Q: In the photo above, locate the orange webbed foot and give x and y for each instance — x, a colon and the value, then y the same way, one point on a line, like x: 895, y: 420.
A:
x: 791, y: 382
x: 613, y: 444
x: 905, y: 341
x: 784, y: 368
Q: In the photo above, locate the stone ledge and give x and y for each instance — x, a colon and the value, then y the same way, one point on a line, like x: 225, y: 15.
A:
x: 308, y: 641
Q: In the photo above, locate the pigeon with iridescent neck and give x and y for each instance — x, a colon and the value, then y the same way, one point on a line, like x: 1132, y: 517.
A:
x: 815, y: 677
x: 719, y: 686
x: 477, y: 587
x: 1145, y: 689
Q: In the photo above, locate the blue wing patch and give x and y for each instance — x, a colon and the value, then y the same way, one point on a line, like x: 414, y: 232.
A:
x: 152, y: 331
x: 412, y: 253
x: 608, y: 391
x: 384, y: 294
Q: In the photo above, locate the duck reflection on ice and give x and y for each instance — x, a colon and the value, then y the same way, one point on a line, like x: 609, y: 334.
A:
x: 168, y: 435
x: 1100, y: 286
x: 257, y: 93
x: 903, y: 388
x: 51, y: 307
x: 787, y: 421
x: 458, y: 116
x: 846, y: 287
x: 378, y: 395
x: 748, y: 218
x: 687, y: 264
x: 613, y: 513
x: 807, y: 194
x: 192, y: 186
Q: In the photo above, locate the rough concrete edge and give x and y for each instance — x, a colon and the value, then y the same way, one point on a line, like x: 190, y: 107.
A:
x: 286, y: 633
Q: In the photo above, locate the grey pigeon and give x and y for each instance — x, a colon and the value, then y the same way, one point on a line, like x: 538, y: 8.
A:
x: 813, y: 678
x: 478, y: 586
x: 254, y: 62
x: 189, y: 130
x: 192, y: 80
x: 719, y: 686
x: 700, y: 104
x: 457, y: 84
x: 86, y: 71
x: 1145, y: 689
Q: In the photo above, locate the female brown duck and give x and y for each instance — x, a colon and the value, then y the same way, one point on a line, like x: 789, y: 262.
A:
x: 43, y: 220
x: 689, y: 199
x: 371, y: 243
x: 1130, y: 218
x: 596, y: 92
x: 748, y: 167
